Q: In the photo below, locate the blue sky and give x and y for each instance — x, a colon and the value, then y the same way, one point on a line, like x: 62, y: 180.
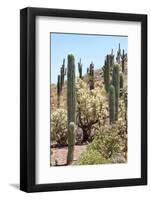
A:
x: 87, y: 47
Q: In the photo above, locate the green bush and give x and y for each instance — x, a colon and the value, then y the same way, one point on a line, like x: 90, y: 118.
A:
x: 91, y: 157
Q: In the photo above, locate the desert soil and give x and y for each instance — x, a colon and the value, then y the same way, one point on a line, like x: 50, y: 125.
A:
x: 59, y: 154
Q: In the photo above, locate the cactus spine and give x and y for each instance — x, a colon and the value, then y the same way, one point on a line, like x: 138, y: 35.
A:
x: 115, y: 82
x: 71, y: 102
x: 58, y: 91
x: 80, y: 69
x: 112, y: 103
x: 107, y: 72
x: 71, y: 142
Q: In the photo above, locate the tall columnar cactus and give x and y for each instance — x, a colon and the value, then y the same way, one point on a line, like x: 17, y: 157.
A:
x: 71, y: 142
x: 58, y: 90
x: 80, y: 69
x: 112, y: 59
x: 123, y: 61
x: 112, y: 104
x: 62, y: 73
x: 118, y: 55
x: 116, y: 83
x: 107, y: 73
x: 121, y: 81
x: 91, y: 76
x: 71, y: 99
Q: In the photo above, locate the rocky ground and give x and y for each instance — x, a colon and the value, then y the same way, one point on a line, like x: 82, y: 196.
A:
x: 59, y: 154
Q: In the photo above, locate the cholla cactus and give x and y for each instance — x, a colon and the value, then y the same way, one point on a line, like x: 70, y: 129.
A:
x: 91, y: 108
x: 59, y: 126
x: 71, y: 142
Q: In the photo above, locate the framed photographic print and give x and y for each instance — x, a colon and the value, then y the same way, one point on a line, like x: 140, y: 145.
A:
x: 83, y: 99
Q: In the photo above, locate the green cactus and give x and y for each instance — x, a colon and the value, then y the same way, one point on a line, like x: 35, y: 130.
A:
x: 71, y: 142
x: 80, y: 69
x: 71, y: 99
x: 112, y: 104
x: 123, y: 61
x: 62, y: 73
x: 118, y: 57
x: 107, y: 73
x: 91, y: 76
x: 121, y: 81
x: 58, y: 91
x: 116, y: 83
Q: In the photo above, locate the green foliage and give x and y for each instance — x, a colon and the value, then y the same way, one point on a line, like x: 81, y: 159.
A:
x: 71, y: 99
x: 59, y: 126
x: 71, y: 142
x: 91, y: 157
x: 116, y: 83
x: 112, y: 103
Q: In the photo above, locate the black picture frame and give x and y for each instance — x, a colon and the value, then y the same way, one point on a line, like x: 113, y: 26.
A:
x: 28, y: 99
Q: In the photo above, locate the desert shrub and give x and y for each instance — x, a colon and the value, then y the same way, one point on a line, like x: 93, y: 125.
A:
x: 111, y: 140
x: 90, y: 157
x: 59, y: 126
x: 91, y: 108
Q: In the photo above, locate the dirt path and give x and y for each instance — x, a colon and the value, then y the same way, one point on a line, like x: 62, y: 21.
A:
x: 59, y: 155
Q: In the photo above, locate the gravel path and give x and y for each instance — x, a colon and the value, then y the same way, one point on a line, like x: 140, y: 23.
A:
x: 59, y: 155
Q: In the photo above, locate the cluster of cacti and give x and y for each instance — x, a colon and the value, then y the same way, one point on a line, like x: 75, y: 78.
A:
x: 89, y: 108
x: 112, y: 103
x: 80, y: 69
x: 71, y: 142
